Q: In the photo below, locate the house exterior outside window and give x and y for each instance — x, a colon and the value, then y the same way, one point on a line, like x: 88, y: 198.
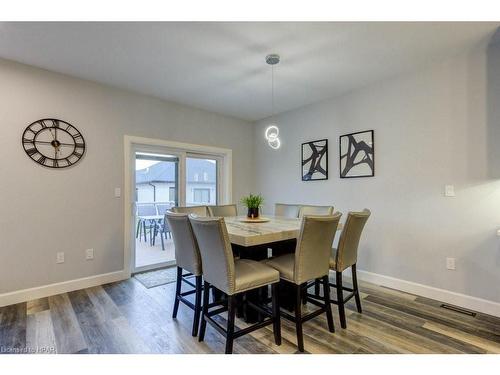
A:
x: 157, y: 183
x: 201, y: 195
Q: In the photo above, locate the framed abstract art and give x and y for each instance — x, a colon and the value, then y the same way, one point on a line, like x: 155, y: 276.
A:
x: 315, y: 160
x: 357, y: 154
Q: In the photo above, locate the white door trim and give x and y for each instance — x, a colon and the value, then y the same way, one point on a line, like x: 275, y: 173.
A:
x: 129, y: 142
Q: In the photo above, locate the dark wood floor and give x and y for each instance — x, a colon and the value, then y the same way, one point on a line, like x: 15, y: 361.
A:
x: 125, y: 317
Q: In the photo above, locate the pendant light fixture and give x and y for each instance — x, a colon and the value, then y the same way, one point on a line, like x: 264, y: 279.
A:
x: 272, y: 131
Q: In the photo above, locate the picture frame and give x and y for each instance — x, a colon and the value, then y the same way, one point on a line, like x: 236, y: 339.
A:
x: 357, y: 154
x: 314, y: 166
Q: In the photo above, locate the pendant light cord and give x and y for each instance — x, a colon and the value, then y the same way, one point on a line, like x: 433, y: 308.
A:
x: 272, y: 92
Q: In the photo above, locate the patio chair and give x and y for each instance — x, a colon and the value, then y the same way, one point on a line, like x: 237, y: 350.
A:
x: 142, y: 210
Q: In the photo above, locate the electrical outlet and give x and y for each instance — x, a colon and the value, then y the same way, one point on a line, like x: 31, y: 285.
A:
x: 450, y: 263
x: 60, y: 257
x: 449, y: 191
x: 89, y: 254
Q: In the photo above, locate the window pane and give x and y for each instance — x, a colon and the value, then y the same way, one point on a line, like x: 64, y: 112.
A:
x: 201, y: 181
x: 156, y: 178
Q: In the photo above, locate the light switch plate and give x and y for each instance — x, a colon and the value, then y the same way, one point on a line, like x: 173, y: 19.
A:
x: 449, y: 190
x: 89, y: 254
x: 60, y: 257
x: 450, y: 263
x: 118, y: 192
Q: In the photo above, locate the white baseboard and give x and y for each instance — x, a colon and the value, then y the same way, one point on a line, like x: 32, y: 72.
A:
x: 453, y: 298
x: 457, y: 299
x: 24, y: 295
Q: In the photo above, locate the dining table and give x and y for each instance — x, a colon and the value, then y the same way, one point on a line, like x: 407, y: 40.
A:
x: 258, y: 240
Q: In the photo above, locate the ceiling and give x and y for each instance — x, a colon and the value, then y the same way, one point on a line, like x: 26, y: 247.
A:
x: 220, y: 67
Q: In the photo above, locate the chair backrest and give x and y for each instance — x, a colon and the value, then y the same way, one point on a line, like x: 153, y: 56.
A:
x: 286, y: 210
x: 314, y: 246
x: 196, y: 210
x: 187, y: 254
x: 216, y: 253
x: 146, y: 209
x: 223, y: 210
x: 347, y: 251
x: 162, y: 208
x: 315, y: 210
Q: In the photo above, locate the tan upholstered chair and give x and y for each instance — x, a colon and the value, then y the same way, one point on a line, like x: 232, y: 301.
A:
x: 286, y: 210
x: 223, y: 210
x: 315, y: 210
x: 187, y: 256
x: 345, y: 256
x: 197, y: 210
x: 309, y: 262
x: 221, y: 271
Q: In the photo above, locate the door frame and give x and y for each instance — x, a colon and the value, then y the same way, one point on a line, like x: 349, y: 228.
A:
x: 133, y: 143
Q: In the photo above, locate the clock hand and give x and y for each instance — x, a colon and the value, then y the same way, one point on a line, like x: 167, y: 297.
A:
x: 52, y: 134
x: 50, y: 143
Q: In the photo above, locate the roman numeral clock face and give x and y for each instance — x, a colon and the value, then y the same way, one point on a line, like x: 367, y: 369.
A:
x: 53, y: 143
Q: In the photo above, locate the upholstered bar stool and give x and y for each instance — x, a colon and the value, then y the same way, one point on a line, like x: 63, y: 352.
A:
x: 223, y: 210
x: 286, y: 210
x: 345, y: 256
x: 197, y: 210
x: 187, y: 256
x: 309, y: 262
x: 315, y: 210
x: 233, y: 278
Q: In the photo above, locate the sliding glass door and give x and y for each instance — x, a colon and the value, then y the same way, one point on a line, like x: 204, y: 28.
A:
x: 156, y: 191
x: 165, y: 178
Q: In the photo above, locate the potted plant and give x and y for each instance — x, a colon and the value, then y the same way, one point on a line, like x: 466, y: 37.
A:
x: 252, y: 202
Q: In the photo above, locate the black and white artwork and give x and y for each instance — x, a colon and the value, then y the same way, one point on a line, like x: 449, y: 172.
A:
x: 315, y: 160
x: 357, y: 155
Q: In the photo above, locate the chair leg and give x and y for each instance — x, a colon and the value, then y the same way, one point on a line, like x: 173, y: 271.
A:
x: 152, y: 233
x: 162, y: 242
x: 197, y: 306
x: 260, y: 293
x: 137, y: 231
x: 316, y: 288
x: 298, y: 318
x: 355, y: 287
x: 203, y: 324
x: 340, y: 299
x: 276, y: 313
x: 231, y: 312
x: 177, y: 292
x: 328, y: 306
x: 144, y: 230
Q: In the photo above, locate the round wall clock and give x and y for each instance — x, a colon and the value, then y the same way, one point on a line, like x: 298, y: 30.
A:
x: 53, y: 143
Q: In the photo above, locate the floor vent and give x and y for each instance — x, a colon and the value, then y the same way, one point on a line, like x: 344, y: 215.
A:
x: 458, y: 309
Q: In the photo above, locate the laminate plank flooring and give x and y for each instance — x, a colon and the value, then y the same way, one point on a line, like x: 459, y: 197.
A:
x: 125, y: 317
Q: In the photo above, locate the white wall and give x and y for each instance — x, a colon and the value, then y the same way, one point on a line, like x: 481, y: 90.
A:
x: 43, y: 211
x: 432, y: 128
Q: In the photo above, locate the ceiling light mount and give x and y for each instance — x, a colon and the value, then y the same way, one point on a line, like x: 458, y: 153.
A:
x: 273, y: 59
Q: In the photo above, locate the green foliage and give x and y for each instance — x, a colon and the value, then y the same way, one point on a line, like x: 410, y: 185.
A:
x: 252, y: 201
